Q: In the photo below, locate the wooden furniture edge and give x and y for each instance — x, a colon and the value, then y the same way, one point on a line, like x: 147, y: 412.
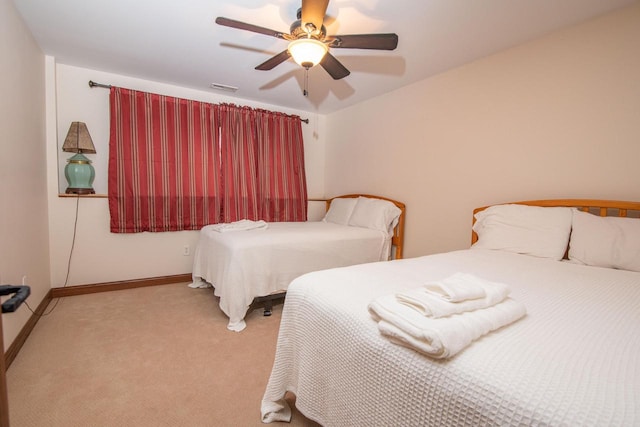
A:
x: 397, y: 239
x: 4, y: 396
x: 584, y: 205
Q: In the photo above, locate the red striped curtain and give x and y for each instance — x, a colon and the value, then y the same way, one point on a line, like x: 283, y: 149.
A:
x: 177, y: 164
x: 239, y: 163
x: 164, y: 165
x: 280, y: 167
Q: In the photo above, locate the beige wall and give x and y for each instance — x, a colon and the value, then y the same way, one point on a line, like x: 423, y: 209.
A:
x: 24, y: 247
x: 100, y: 256
x: 555, y: 118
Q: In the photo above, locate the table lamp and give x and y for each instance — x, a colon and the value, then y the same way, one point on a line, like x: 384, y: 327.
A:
x: 79, y: 172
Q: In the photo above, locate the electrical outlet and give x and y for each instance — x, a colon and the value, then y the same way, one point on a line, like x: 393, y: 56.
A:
x: 186, y: 250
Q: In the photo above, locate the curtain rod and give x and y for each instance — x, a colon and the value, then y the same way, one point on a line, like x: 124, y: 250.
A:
x: 94, y: 84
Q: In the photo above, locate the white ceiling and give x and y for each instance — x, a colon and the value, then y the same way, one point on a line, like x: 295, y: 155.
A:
x: 177, y: 42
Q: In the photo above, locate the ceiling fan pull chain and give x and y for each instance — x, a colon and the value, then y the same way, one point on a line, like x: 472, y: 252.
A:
x: 305, y: 91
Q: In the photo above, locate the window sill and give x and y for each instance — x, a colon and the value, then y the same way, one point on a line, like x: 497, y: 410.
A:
x: 87, y: 196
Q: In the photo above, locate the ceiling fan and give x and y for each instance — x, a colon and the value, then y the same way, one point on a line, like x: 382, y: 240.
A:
x: 309, y: 43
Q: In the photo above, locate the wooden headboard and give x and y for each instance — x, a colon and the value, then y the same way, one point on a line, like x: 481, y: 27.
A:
x: 597, y: 207
x: 397, y: 240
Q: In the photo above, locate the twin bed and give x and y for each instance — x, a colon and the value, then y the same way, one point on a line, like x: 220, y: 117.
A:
x: 573, y: 359
x: 259, y: 261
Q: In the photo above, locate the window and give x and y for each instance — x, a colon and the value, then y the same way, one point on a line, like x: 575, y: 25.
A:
x: 177, y: 164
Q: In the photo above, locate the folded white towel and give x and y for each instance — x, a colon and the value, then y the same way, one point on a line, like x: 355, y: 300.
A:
x: 444, y: 337
x: 457, y: 287
x: 429, y: 304
x: 242, y: 225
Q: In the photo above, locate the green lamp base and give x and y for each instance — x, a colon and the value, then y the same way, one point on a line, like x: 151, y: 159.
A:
x: 80, y: 175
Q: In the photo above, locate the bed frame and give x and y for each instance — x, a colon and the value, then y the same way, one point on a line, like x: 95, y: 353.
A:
x: 597, y: 207
x: 397, y: 242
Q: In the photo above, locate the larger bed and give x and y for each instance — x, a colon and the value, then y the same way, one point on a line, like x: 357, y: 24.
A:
x: 243, y: 265
x: 574, y: 359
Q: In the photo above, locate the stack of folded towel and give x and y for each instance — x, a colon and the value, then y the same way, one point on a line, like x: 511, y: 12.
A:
x: 440, y: 319
x: 242, y: 225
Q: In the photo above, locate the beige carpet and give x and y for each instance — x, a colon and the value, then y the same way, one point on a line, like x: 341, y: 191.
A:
x: 155, y: 356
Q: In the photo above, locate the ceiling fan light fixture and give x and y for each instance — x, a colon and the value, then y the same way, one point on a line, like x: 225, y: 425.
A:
x: 307, y: 52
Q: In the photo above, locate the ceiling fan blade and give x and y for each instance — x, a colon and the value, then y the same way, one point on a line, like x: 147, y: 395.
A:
x: 334, y: 67
x: 249, y: 27
x: 274, y: 60
x: 388, y: 41
x: 313, y: 12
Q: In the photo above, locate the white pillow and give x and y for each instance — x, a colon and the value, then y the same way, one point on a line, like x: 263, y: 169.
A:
x: 532, y: 230
x: 376, y: 214
x: 340, y: 210
x: 605, y: 241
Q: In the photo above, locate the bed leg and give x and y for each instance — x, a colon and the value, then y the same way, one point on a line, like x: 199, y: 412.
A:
x: 266, y: 302
x: 268, y: 306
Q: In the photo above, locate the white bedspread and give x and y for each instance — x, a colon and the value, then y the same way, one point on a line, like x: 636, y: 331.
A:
x: 242, y: 265
x: 574, y: 360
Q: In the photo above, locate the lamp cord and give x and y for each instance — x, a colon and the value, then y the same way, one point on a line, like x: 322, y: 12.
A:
x: 66, y: 279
